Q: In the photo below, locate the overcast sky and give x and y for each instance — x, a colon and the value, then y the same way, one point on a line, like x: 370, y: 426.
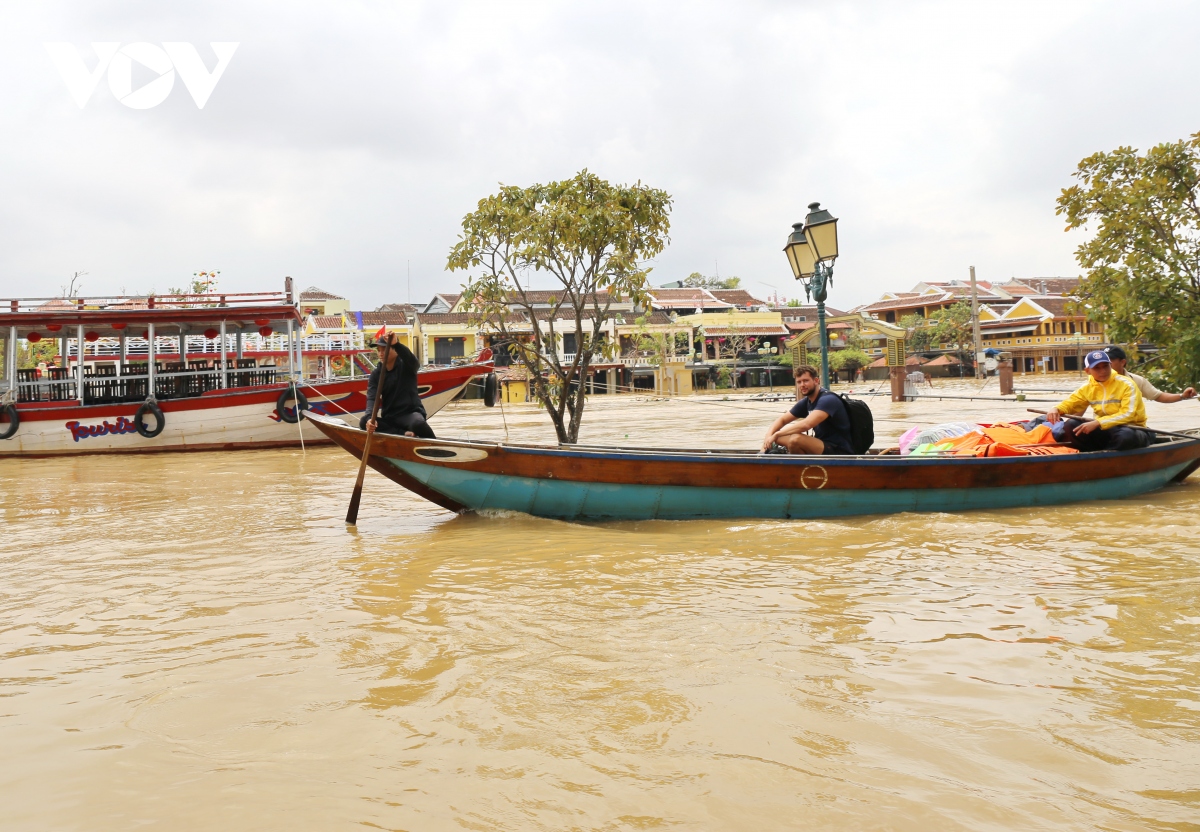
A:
x: 347, y: 140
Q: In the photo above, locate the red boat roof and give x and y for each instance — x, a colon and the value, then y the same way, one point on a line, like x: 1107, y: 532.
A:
x: 111, y: 316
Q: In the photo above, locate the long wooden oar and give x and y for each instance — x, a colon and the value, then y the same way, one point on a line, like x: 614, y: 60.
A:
x: 1156, y: 430
x: 356, y: 497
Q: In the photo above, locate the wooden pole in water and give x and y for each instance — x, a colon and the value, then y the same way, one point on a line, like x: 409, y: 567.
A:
x: 976, y: 341
x: 356, y: 497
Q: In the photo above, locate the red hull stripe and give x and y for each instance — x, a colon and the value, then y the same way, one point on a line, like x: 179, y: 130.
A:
x: 439, y: 380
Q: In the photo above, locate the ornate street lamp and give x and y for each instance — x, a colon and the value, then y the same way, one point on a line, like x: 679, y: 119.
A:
x: 811, y: 249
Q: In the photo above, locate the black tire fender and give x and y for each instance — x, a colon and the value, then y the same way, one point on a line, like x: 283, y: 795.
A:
x: 139, y: 420
x: 14, y: 421
x: 490, y: 389
x: 291, y: 415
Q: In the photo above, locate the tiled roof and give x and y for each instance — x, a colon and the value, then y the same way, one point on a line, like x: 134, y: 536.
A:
x: 656, y: 317
x: 738, y: 297
x: 397, y: 307
x: 313, y: 293
x: 755, y: 330
x: 911, y: 361
x: 1053, y: 285
x: 917, y: 301
x: 327, y: 321
x: 462, y: 318
x: 444, y: 317
x: 1031, y: 320
x: 687, y: 299
x: 383, y: 319
x: 1057, y: 306
x: 808, y: 312
x: 910, y: 302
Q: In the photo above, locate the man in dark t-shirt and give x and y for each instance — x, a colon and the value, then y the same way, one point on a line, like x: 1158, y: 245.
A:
x: 817, y: 410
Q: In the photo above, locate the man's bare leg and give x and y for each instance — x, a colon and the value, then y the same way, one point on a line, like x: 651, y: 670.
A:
x: 800, y: 443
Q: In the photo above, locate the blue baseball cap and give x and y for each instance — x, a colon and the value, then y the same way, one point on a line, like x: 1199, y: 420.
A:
x: 1096, y: 357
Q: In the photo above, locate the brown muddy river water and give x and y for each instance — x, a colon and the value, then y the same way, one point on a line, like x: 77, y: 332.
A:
x: 198, y: 642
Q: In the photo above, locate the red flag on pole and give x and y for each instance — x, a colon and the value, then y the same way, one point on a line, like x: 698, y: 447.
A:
x: 382, y: 332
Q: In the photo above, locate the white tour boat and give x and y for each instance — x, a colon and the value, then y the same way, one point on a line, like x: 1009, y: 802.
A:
x: 217, y: 371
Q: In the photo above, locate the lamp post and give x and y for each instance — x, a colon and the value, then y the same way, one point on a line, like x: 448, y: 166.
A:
x: 811, y: 249
x: 1079, y: 339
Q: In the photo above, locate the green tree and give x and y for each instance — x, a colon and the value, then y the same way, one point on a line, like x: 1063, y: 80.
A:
x: 695, y: 280
x: 1142, y: 264
x: 954, y: 326
x: 850, y: 359
x: 917, y: 333
x: 591, y: 237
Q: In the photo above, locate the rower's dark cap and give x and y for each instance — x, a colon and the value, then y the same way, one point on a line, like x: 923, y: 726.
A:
x: 382, y: 342
x: 1117, y: 353
x: 1096, y: 357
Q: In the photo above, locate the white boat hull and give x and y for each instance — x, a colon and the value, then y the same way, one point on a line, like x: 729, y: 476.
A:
x: 218, y: 420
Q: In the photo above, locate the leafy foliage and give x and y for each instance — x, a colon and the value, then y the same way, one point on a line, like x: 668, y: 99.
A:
x: 1143, y: 262
x: 591, y: 237
x: 850, y: 359
x: 695, y: 280
x: 917, y: 333
x: 953, y: 326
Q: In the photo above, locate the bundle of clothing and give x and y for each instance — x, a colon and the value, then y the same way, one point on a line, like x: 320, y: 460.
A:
x: 982, y: 439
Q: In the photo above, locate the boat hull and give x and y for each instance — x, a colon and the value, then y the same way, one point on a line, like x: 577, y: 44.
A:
x: 608, y: 484
x: 631, y: 501
x: 237, y: 419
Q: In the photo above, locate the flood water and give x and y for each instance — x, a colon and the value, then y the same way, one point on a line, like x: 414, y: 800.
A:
x: 197, y: 641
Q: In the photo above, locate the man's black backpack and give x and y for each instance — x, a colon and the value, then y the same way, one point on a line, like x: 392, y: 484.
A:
x: 862, y: 424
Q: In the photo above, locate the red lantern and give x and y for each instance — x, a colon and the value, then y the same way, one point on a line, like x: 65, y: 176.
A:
x: 118, y: 326
x: 211, y: 333
x: 262, y: 321
x: 33, y: 337
x: 264, y: 331
x: 90, y: 337
x: 54, y: 327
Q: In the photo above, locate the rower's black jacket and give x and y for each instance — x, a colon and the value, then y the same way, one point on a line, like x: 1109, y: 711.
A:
x: 400, y: 396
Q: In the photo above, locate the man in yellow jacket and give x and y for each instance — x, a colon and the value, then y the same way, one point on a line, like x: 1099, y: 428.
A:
x: 1118, y: 415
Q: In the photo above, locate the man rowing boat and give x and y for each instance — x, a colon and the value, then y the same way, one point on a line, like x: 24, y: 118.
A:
x: 1149, y: 391
x: 402, y: 411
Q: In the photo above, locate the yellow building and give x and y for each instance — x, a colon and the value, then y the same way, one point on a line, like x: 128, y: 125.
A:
x: 314, y: 301
x: 444, y: 336
x: 1044, y: 335
x: 736, y: 329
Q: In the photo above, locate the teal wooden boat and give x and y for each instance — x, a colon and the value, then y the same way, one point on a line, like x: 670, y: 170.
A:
x: 584, y: 482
